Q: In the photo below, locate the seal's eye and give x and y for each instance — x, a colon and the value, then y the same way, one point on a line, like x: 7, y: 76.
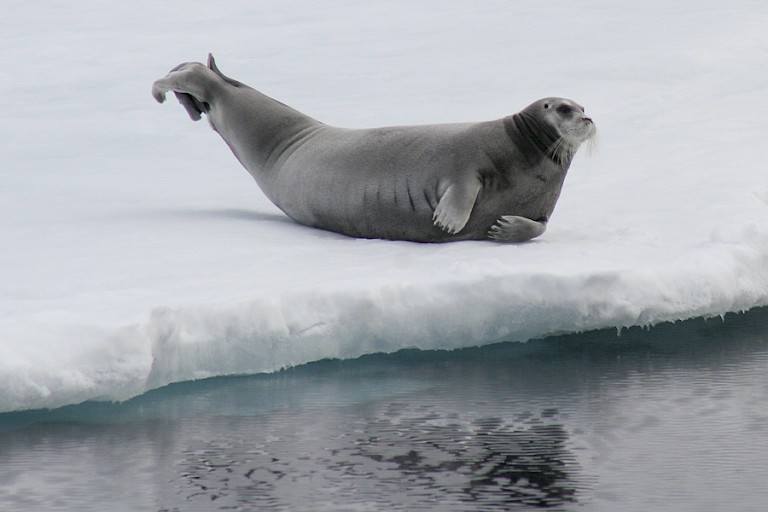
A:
x: 546, y: 105
x: 564, y: 109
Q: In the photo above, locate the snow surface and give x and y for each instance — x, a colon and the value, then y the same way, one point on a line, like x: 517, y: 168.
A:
x: 137, y: 252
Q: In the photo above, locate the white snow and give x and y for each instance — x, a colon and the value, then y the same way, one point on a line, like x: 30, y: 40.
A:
x: 137, y: 252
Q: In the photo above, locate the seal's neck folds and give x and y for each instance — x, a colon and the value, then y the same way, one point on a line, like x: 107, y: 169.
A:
x: 534, y: 139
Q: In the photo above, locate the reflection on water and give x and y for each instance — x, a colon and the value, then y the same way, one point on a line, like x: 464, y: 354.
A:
x: 403, y: 458
x: 672, y: 418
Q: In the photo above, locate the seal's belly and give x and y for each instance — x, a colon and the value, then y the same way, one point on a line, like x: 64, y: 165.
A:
x: 388, y: 206
x: 364, y: 184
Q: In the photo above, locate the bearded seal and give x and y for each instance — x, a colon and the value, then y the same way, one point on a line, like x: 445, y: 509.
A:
x: 495, y: 180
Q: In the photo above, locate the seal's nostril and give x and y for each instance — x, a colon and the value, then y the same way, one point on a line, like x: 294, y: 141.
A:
x: 587, y: 119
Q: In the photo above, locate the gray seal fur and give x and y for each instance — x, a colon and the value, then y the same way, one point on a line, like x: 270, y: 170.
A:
x: 495, y: 180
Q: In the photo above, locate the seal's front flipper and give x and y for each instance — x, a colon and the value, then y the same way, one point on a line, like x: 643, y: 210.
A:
x: 455, y: 206
x: 514, y: 229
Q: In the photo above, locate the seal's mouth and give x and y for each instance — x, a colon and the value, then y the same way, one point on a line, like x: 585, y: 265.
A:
x: 566, y: 145
x: 587, y: 129
x: 590, y: 137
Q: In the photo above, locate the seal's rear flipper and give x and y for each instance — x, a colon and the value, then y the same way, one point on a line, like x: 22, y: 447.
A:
x: 190, y: 85
x: 213, y: 67
x: 193, y: 107
x: 514, y: 229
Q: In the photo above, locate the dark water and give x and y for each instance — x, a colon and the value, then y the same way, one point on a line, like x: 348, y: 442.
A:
x: 673, y: 418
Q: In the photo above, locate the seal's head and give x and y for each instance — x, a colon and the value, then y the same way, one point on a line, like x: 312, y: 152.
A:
x: 556, y: 127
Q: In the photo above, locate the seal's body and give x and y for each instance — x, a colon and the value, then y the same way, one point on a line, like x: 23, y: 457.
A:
x: 434, y: 183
